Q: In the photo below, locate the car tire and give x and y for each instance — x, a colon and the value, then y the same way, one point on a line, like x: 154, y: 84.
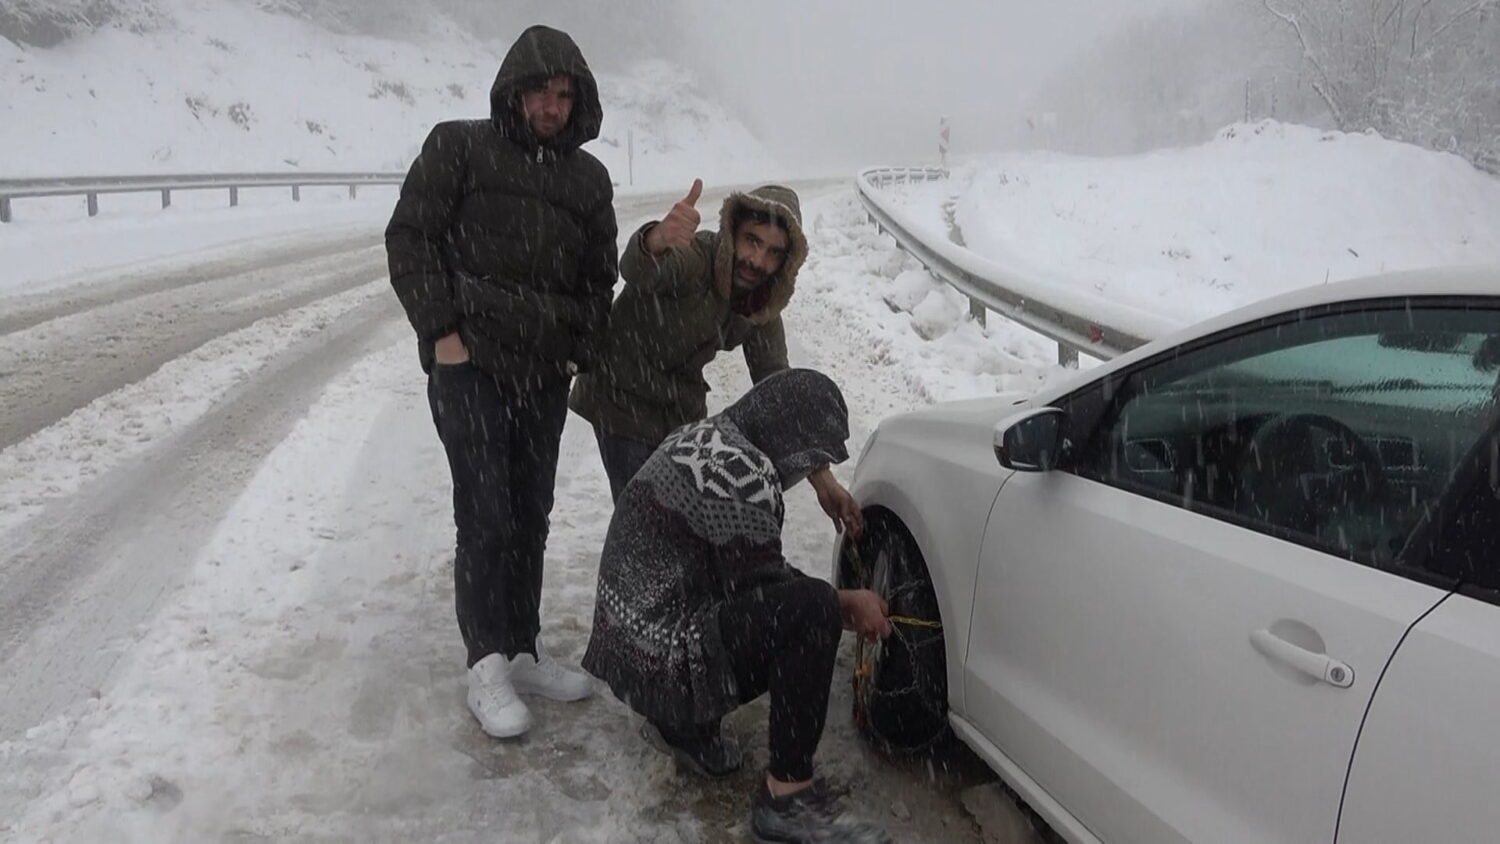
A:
x: 901, y: 704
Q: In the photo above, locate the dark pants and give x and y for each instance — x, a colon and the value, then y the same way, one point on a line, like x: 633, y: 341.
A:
x: 622, y: 457
x: 502, y: 450
x: 783, y: 639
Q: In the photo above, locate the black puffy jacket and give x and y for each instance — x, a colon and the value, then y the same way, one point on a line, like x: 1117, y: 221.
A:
x: 506, y: 240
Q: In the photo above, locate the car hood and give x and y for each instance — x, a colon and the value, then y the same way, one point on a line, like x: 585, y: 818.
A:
x: 955, y: 417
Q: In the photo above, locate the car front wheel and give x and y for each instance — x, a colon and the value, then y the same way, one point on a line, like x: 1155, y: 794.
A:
x: 901, y: 682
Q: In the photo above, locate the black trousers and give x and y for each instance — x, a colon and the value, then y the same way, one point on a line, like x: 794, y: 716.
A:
x: 502, y: 447
x: 783, y: 639
x: 622, y: 457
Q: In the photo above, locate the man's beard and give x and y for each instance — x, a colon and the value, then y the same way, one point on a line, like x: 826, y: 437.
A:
x: 757, y: 277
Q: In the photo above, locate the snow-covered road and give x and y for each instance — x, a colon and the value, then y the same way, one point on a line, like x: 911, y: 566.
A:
x: 225, y: 589
x: 63, y: 352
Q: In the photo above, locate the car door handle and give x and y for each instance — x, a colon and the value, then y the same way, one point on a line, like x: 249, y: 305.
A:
x: 1317, y: 666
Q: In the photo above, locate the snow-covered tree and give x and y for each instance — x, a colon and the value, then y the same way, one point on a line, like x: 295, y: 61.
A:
x: 1422, y: 71
x: 1417, y: 70
x: 1173, y: 78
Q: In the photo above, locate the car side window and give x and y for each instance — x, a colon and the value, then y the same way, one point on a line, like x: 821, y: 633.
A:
x: 1460, y: 538
x: 1337, y: 429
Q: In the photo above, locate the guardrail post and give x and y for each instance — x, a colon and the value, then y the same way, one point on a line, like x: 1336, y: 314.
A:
x: 353, y: 192
x: 978, y: 311
x: 166, y: 198
x: 93, y: 200
x: 1067, y: 356
x: 4, y: 209
x: 234, y: 196
x: 296, y: 193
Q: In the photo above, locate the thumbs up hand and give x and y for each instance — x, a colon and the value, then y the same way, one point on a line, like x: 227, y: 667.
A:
x: 676, y: 230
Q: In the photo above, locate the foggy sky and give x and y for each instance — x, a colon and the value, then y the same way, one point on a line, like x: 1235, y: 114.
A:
x: 850, y: 81
x: 854, y: 81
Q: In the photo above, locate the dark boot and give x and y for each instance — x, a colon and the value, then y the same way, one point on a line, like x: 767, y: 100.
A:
x: 705, y: 750
x: 810, y: 815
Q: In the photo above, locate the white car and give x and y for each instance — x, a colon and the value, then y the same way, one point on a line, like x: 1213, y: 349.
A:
x: 1240, y: 584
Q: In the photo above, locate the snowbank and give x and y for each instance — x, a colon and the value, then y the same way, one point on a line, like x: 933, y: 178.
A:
x: 1263, y: 208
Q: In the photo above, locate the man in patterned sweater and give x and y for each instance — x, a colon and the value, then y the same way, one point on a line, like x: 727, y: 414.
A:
x: 698, y: 612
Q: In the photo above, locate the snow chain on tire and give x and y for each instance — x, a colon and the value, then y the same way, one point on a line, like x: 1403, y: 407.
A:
x: 867, y: 652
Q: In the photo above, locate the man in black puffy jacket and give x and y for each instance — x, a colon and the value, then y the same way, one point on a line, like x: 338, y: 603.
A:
x: 502, y: 251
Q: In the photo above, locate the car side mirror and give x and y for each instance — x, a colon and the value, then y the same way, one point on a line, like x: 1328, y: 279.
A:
x: 1030, y: 441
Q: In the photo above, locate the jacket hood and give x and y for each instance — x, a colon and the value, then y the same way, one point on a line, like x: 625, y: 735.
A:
x: 797, y: 418
x: 545, y: 52
x: 780, y: 202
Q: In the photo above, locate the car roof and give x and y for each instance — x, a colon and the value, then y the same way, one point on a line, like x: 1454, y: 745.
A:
x: 1440, y: 281
x: 1464, y: 281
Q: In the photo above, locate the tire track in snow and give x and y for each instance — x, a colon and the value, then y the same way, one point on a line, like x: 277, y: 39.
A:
x: 59, y: 365
x: 95, y: 290
x: 104, y: 511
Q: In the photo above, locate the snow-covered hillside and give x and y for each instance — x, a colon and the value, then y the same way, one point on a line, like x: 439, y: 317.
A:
x: 1188, y: 233
x: 218, y: 85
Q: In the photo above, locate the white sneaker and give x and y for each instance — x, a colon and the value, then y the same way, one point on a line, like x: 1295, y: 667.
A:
x: 546, y: 677
x: 492, y: 699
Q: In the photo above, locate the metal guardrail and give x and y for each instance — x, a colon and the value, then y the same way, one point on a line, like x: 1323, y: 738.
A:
x: 92, y: 186
x: 1075, y: 319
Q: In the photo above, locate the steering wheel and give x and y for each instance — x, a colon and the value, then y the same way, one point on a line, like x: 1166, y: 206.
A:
x: 1283, y: 480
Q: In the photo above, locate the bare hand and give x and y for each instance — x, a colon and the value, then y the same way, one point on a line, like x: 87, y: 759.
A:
x: 450, y: 350
x: 838, y: 503
x: 676, y: 230
x: 866, y: 613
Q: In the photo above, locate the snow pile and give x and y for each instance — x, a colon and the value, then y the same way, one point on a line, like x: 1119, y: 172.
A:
x: 1263, y: 208
x: 901, y: 322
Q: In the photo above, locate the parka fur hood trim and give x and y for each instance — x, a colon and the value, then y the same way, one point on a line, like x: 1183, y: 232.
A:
x: 779, y: 202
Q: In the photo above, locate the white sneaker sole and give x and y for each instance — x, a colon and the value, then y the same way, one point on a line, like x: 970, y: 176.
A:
x: 508, y: 730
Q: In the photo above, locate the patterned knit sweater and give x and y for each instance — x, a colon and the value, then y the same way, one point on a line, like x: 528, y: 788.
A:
x: 698, y: 525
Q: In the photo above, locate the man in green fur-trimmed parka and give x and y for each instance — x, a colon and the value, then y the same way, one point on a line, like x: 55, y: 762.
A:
x: 689, y: 295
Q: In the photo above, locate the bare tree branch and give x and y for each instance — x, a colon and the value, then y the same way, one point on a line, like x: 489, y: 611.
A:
x: 1472, y: 9
x: 1323, y: 85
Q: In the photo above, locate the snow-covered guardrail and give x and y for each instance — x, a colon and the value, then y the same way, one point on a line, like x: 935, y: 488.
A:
x: 92, y: 186
x: 1078, y: 321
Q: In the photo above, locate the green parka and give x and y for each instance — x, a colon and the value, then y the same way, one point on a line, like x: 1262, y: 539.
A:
x: 676, y: 313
